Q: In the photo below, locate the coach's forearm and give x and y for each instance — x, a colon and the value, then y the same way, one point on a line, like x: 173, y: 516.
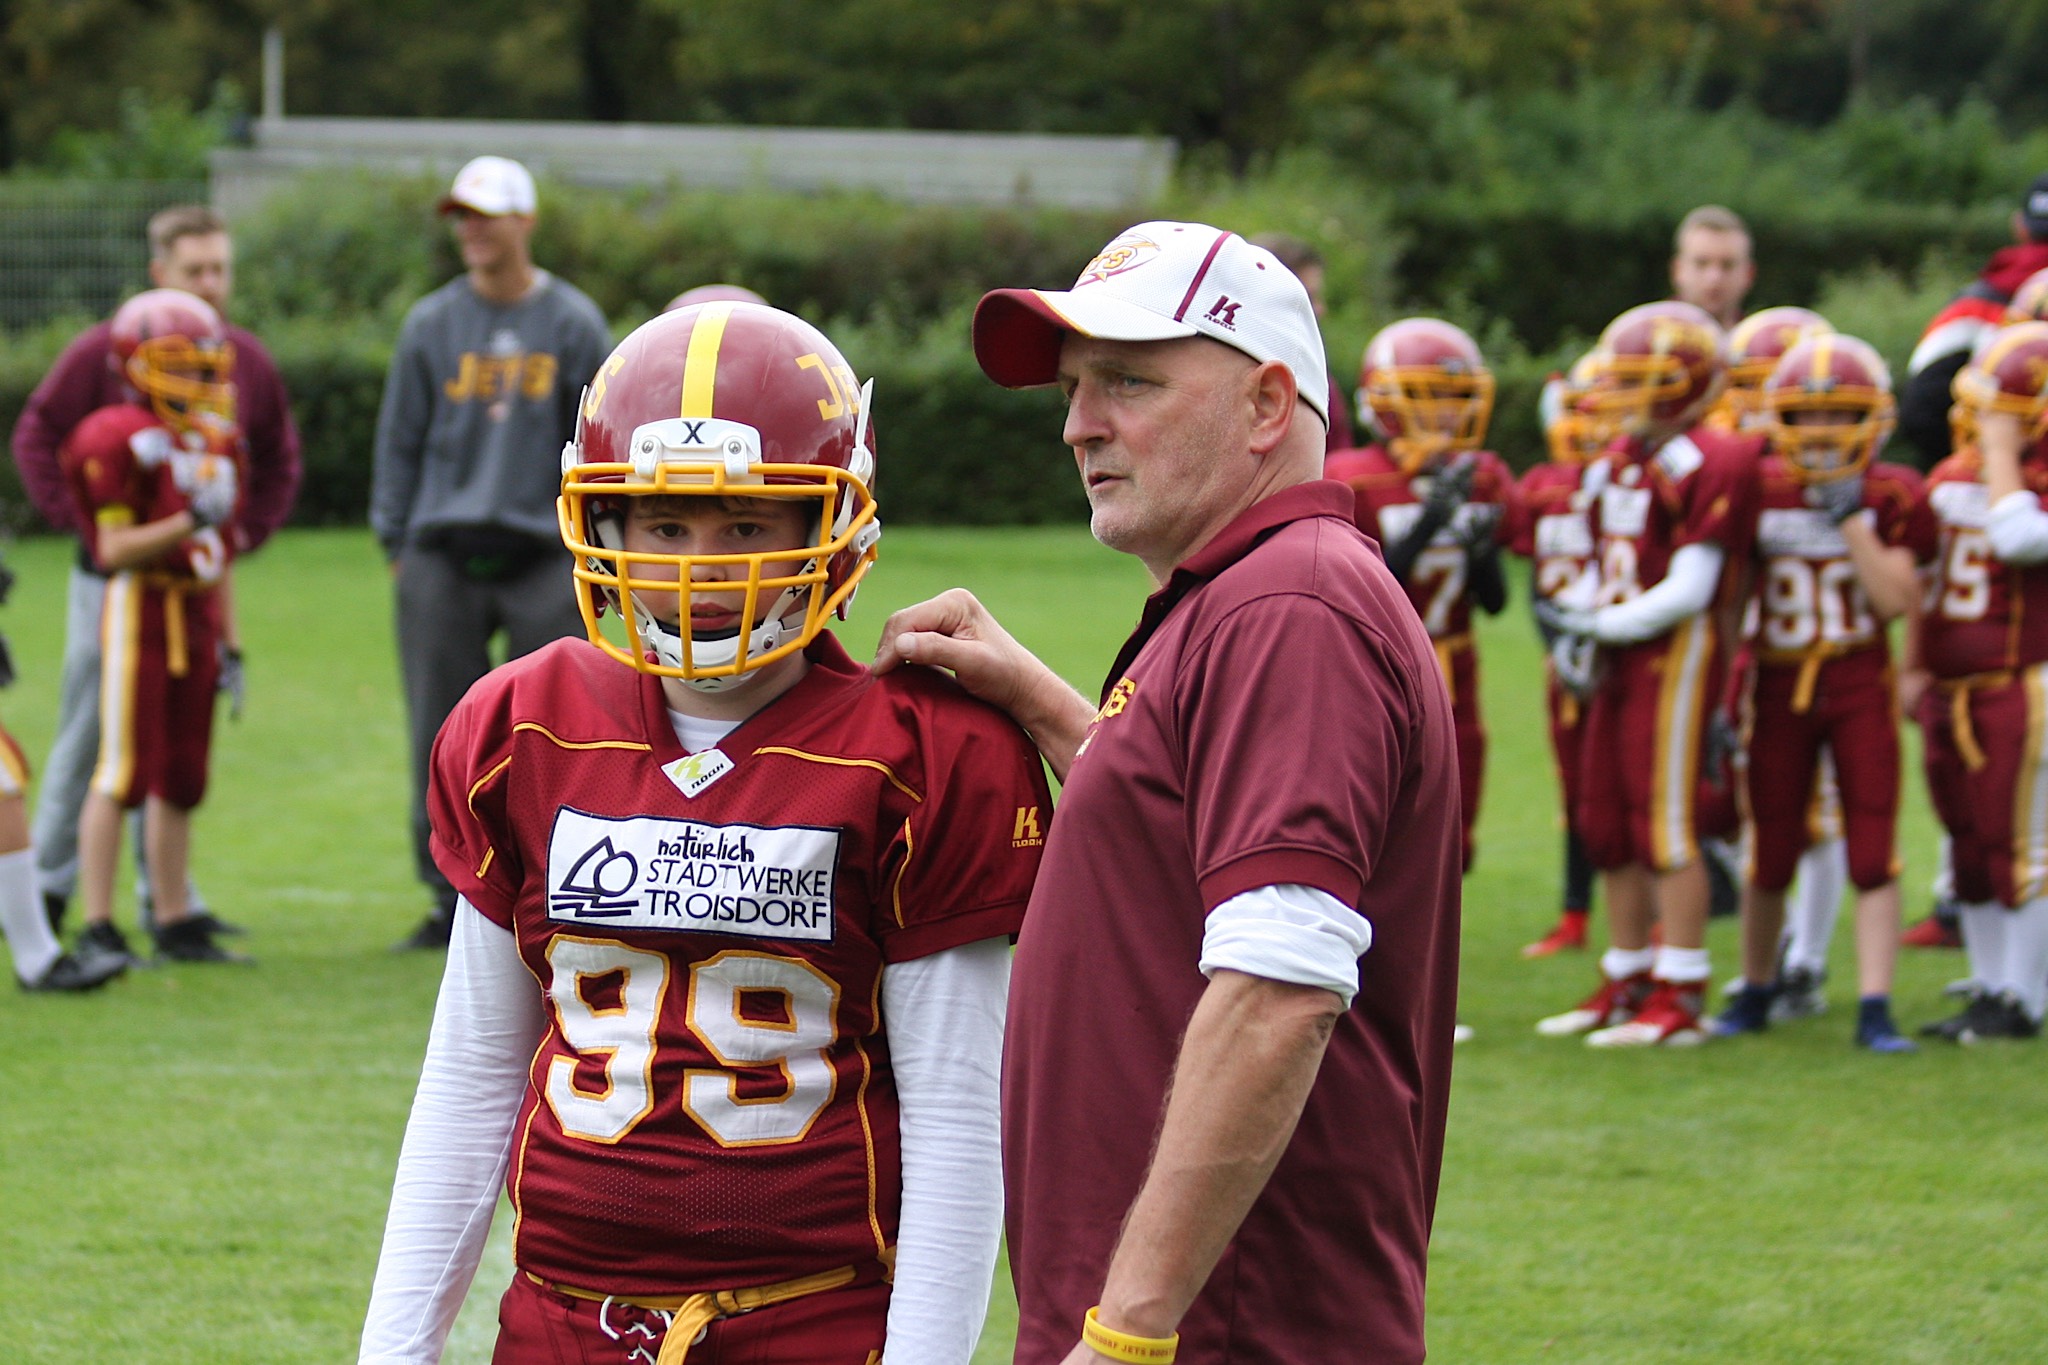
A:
x: 1056, y: 716
x: 1246, y: 1065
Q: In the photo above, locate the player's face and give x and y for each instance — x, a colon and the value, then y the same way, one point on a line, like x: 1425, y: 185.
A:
x: 689, y: 525
x: 201, y: 263
x: 490, y: 242
x: 1713, y: 270
x: 1161, y: 433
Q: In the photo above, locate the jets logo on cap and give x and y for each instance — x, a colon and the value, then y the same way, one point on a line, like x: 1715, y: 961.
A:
x: 1125, y: 253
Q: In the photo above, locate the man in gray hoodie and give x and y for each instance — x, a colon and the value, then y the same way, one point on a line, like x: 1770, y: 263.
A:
x: 481, y: 396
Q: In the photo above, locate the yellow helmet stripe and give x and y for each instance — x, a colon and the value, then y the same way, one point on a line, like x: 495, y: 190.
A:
x: 700, y: 365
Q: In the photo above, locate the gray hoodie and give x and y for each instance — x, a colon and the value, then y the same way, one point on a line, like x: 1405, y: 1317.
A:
x: 477, y: 405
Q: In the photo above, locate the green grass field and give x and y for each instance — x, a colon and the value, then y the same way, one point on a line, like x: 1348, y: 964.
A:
x: 194, y: 1164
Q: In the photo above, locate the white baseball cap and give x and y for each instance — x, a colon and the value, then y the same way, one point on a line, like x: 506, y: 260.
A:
x: 1155, y: 282
x: 491, y: 185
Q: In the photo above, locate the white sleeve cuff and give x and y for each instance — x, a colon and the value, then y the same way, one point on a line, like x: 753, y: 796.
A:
x: 943, y: 1015
x: 1301, y: 935
x: 2018, y: 529
x: 1685, y: 591
x: 458, y: 1142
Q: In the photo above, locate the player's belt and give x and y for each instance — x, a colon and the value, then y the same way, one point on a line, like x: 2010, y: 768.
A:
x: 1449, y: 647
x: 177, y: 659
x: 689, y: 1314
x: 1810, y: 661
x: 1959, y: 690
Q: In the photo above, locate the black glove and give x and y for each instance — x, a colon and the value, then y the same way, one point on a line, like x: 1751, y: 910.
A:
x: 1555, y: 622
x: 1724, y: 745
x: 1575, y: 660
x: 6, y: 663
x: 1837, y: 499
x: 1449, y: 490
x: 1477, y: 528
x: 232, y: 680
x: 6, y: 582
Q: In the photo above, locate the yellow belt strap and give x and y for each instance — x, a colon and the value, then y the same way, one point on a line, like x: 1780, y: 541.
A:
x: 692, y: 1313
x: 1447, y: 648
x: 1959, y: 690
x: 174, y: 632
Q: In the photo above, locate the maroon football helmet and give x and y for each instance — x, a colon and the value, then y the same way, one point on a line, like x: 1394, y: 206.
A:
x: 720, y: 400
x: 1424, y: 387
x: 2010, y: 375
x: 173, y: 350
x: 1828, y: 407
x: 1660, y: 365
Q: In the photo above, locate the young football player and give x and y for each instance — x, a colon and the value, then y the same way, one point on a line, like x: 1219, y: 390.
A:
x: 724, y: 1002
x: 1980, y: 527
x: 1672, y: 505
x: 155, y: 478
x: 40, y: 962
x: 1830, y: 569
x: 1547, y: 525
x: 1436, y: 503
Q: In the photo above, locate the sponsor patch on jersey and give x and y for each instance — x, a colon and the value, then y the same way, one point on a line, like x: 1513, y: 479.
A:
x: 1799, y: 532
x: 1564, y: 535
x: 647, y: 873
x: 692, y: 773
x: 1679, y: 457
x: 1960, y: 504
x: 1624, y: 511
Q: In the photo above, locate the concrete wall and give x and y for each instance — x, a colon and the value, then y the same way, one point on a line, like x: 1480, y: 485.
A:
x: 941, y: 168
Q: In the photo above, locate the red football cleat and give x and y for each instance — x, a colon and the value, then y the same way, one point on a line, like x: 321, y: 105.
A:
x: 1570, y: 933
x: 1932, y: 932
x: 1613, y: 1003
x: 1669, y: 1018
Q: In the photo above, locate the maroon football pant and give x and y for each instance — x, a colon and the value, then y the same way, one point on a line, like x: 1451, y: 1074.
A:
x: 1567, y: 729
x: 1639, y: 759
x: 538, y: 1326
x: 159, y: 665
x: 1996, y: 812
x: 1463, y: 681
x: 1852, y: 712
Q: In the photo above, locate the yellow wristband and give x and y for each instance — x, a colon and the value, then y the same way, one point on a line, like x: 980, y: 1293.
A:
x: 1123, y: 1346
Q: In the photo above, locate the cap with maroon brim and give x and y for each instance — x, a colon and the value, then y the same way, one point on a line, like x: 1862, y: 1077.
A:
x: 1156, y: 282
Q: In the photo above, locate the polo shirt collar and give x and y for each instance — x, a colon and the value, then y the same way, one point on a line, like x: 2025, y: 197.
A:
x: 1315, y: 498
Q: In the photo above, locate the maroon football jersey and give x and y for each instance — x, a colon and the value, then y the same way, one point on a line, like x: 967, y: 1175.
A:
x: 712, y: 1105
x: 1809, y: 598
x: 1547, y: 525
x: 1697, y: 487
x: 1388, y: 502
x: 1980, y: 615
x: 122, y: 465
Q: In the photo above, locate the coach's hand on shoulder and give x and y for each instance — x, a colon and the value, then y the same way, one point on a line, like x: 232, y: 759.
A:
x: 954, y: 631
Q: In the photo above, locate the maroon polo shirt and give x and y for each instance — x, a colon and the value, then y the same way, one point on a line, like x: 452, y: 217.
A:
x: 86, y: 379
x: 1279, y: 717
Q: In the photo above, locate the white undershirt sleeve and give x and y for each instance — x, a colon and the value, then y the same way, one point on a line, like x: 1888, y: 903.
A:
x: 1298, y: 934
x: 2018, y: 529
x: 944, y: 1019
x: 458, y: 1141
x: 1686, y: 590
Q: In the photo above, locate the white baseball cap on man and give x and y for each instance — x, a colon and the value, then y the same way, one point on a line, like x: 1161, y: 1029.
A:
x: 492, y: 186
x: 1155, y: 282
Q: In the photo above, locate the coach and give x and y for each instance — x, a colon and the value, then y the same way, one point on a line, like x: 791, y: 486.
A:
x: 1243, y: 940
x: 189, y: 249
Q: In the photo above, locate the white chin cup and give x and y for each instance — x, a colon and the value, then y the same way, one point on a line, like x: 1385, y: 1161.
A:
x: 667, y: 644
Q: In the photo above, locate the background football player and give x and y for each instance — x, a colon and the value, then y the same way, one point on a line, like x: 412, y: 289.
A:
x: 1672, y: 505
x: 1830, y: 571
x: 155, y: 479
x: 1980, y: 527
x: 1548, y: 526
x: 1436, y: 503
x: 726, y: 988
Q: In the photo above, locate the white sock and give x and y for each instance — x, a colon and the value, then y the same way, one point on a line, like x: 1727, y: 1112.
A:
x: 2026, y: 957
x: 1984, y: 941
x: 22, y: 916
x: 1682, y: 966
x: 1618, y: 964
x: 1816, y: 899
x: 1944, y: 886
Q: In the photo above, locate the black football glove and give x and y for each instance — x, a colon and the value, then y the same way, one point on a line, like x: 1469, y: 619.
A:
x: 1575, y: 660
x: 1837, y: 499
x: 6, y: 582
x: 232, y: 681
x: 1557, y: 622
x: 1724, y: 745
x: 1449, y: 490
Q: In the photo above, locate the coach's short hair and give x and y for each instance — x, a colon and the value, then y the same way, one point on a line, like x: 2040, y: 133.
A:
x: 1294, y: 253
x: 1713, y: 218
x: 182, y: 220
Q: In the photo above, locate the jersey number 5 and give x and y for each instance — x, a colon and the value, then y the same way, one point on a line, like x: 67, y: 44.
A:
x: 790, y: 1036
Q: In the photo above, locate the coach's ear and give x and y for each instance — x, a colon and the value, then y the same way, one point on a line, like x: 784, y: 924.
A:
x: 1273, y: 394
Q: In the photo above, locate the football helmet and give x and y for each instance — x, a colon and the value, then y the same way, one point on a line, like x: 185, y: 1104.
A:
x: 713, y: 293
x: 1659, y: 365
x: 719, y: 400
x: 173, y: 351
x: 1425, y: 389
x: 1573, y: 435
x: 1755, y: 347
x: 2010, y: 375
x: 1843, y: 380
x: 2029, y: 302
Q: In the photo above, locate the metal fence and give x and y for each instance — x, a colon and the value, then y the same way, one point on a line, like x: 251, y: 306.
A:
x: 76, y: 248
